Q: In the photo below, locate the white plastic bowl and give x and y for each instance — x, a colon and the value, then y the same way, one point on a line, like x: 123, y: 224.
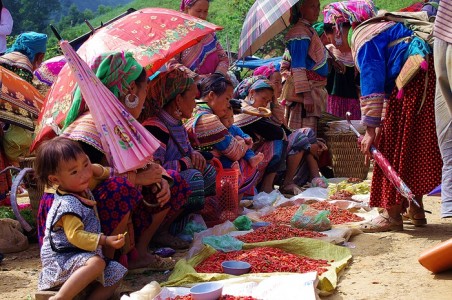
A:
x: 235, y: 267
x: 207, y: 291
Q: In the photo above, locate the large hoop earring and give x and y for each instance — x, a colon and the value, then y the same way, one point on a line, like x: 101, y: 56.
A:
x: 251, y: 101
x: 131, y: 103
x: 178, y: 112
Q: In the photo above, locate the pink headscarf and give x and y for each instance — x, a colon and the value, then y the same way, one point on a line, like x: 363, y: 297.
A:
x: 265, y: 70
x: 184, y: 4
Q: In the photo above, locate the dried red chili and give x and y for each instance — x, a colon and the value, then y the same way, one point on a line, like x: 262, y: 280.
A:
x: 224, y: 297
x: 264, y: 260
x: 337, y: 215
x: 281, y: 215
x: 277, y: 232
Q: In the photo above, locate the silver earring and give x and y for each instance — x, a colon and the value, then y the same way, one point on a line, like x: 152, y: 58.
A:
x: 252, y: 100
x: 338, y: 40
x: 131, y: 103
x: 177, y: 112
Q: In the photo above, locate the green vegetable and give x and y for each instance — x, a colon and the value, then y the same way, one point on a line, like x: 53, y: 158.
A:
x: 27, y: 214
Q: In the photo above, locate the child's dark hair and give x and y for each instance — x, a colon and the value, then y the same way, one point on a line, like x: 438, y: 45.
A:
x: 51, y: 153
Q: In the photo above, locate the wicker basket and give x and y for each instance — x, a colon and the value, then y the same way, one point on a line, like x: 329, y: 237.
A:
x: 348, y: 161
x: 35, y: 189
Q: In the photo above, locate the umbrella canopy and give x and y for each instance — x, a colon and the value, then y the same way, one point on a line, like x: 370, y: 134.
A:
x: 153, y: 35
x: 20, y: 102
x: 126, y: 143
x: 264, y: 20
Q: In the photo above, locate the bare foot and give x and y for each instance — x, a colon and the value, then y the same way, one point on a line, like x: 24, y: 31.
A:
x: 256, y: 159
x: 141, y: 261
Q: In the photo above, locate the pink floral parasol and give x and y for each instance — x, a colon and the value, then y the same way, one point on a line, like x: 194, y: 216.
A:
x: 127, y: 144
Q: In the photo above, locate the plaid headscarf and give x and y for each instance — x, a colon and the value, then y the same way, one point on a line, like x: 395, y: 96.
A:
x: 166, y: 86
x: 30, y: 44
x: 116, y: 70
x: 353, y: 11
x: 266, y: 70
x: 249, y: 84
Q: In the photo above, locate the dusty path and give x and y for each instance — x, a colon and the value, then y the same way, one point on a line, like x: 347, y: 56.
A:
x: 384, y: 267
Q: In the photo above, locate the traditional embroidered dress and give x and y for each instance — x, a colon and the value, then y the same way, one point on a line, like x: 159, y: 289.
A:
x: 206, y: 132
x: 342, y: 90
x: 19, y: 64
x: 60, y: 258
x: 206, y: 57
x: 408, y: 137
x: 309, y: 71
x: 175, y: 154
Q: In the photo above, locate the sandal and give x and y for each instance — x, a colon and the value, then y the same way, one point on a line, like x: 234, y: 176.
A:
x: 415, y: 216
x: 165, y: 239
x: 382, y: 224
x: 159, y: 264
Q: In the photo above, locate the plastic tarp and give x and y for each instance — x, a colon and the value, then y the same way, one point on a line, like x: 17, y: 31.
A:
x: 184, y: 273
x: 255, y: 63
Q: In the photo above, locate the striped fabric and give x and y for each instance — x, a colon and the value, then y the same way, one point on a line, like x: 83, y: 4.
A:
x: 349, y: 11
x: 443, y: 30
x: 264, y: 20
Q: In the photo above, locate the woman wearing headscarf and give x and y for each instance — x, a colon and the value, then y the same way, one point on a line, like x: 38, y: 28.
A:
x: 269, y: 137
x: 172, y: 98
x: 117, y: 195
x: 308, y: 67
x: 207, y: 56
x: 401, y: 125
x: 25, y: 55
x: 22, y: 58
x: 208, y: 134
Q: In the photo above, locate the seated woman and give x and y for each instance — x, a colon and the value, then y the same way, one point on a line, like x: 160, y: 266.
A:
x: 308, y: 170
x: 207, y: 133
x: 172, y: 98
x: 117, y: 197
x: 269, y: 137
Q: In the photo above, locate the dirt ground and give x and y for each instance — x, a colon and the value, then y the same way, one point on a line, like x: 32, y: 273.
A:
x: 384, y: 266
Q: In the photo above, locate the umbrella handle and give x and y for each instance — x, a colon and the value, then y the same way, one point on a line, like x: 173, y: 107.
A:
x: 347, y: 116
x: 55, y: 32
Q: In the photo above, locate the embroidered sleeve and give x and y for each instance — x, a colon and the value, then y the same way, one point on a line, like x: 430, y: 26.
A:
x: 231, y: 148
x: 223, y: 65
x: 298, y: 49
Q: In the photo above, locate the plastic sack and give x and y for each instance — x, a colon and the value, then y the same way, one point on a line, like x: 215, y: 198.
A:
x: 242, y: 223
x: 192, y: 227
x: 311, y: 219
x: 263, y: 199
x: 16, y: 142
x: 224, y: 243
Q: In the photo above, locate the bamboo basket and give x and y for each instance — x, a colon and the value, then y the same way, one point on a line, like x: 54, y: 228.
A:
x: 35, y: 189
x: 348, y: 161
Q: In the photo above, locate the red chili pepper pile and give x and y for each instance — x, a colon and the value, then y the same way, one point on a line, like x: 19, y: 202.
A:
x: 277, y: 232
x: 264, y: 260
x: 281, y: 215
x: 224, y: 297
x: 337, y: 215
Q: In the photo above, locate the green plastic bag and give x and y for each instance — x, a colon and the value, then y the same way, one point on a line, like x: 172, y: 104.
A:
x: 225, y: 243
x: 309, y: 218
x: 242, y: 223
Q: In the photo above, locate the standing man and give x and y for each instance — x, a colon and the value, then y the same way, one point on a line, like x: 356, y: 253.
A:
x: 443, y: 101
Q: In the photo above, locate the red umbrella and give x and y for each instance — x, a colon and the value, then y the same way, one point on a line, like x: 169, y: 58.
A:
x: 153, y: 35
x: 386, y: 167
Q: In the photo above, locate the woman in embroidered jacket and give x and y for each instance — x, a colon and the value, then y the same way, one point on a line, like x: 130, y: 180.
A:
x: 207, y: 56
x: 308, y: 67
x: 207, y: 132
x: 172, y: 98
x: 407, y: 125
x: 118, y: 197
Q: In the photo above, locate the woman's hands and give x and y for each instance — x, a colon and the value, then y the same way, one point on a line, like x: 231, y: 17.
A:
x: 364, y: 144
x: 198, y: 161
x: 152, y: 174
x: 164, y: 195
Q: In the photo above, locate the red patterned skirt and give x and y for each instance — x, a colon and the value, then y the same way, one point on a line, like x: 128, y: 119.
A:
x: 409, y: 142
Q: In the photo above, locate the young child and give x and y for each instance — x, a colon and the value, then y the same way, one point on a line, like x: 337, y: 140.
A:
x: 71, y: 253
x: 237, y: 133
